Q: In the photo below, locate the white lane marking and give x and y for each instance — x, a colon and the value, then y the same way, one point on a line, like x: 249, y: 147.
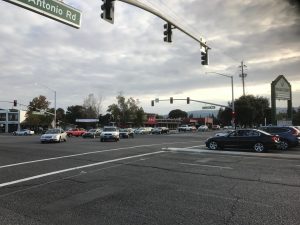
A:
x: 73, y: 176
x: 75, y: 168
x: 86, y: 153
x: 201, y: 146
x: 220, y: 167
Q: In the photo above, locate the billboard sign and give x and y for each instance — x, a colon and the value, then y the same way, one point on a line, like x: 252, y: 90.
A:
x: 282, y: 89
x: 53, y: 9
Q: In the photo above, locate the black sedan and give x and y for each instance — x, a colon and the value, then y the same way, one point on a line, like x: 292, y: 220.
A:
x: 92, y: 133
x: 160, y: 130
x: 244, y: 138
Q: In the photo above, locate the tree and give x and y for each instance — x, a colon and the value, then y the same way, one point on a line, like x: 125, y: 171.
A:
x: 177, y: 113
x: 126, y: 111
x: 39, y: 104
x: 296, y: 117
x: 225, y: 116
x: 105, y: 119
x: 60, y: 115
x: 92, y: 106
x: 251, y: 111
x: 75, y: 112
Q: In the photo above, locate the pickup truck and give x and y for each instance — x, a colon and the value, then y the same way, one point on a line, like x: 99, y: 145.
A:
x: 77, y: 132
x: 186, y: 128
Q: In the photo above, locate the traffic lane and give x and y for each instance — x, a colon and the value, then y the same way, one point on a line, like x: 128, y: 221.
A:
x: 51, y: 167
x: 165, y: 190
x: 28, y: 169
x: 24, y: 169
x: 17, y: 149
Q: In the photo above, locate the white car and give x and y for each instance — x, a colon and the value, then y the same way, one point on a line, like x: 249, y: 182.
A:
x: 143, y: 130
x: 223, y: 133
x: 203, y: 128
x: 23, y: 132
x: 110, y: 133
x: 54, y: 135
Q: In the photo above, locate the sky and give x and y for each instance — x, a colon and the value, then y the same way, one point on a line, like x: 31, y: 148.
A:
x: 40, y: 56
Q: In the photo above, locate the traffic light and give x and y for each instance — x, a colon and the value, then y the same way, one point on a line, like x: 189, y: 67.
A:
x: 152, y: 102
x: 233, y: 114
x: 188, y: 100
x: 171, y: 100
x: 168, y: 32
x: 15, y: 103
x: 108, y: 8
x: 204, y: 57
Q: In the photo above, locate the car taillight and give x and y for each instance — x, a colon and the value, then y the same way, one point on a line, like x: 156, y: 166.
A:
x: 295, y: 132
x: 275, y: 138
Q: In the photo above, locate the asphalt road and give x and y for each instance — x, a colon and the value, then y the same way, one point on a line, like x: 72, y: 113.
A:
x: 151, y: 179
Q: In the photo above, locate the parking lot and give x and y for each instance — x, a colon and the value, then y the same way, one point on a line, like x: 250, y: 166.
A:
x: 150, y: 179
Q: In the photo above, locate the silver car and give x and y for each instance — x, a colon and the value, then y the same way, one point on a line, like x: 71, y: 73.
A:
x: 54, y: 135
x: 23, y: 132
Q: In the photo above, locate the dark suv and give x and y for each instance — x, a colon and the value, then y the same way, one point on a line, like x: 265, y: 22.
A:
x: 288, y: 135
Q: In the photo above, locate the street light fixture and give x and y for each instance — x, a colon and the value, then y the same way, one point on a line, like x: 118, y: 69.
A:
x: 232, y: 93
x: 54, y: 100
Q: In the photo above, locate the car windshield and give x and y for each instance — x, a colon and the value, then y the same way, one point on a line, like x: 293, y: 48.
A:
x: 92, y: 130
x: 53, y: 131
x: 110, y: 129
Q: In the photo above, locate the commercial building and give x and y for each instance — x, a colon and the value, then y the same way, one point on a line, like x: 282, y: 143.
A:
x: 152, y: 121
x: 11, y: 119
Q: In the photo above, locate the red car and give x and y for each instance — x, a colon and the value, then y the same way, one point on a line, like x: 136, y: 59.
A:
x: 77, y: 132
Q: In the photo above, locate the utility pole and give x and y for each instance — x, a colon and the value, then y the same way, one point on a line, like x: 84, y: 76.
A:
x: 243, y: 75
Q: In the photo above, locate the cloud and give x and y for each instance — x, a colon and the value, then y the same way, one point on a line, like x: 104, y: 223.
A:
x: 130, y: 55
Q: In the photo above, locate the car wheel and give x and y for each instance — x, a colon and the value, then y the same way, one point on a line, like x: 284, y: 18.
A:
x: 283, y: 145
x: 213, y: 145
x: 25, y: 134
x: 259, y: 147
x: 101, y: 139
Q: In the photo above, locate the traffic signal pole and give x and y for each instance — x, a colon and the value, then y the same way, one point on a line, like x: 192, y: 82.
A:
x: 171, y: 99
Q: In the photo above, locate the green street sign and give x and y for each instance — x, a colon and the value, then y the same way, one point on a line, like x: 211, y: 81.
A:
x: 208, y: 107
x: 52, y: 9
